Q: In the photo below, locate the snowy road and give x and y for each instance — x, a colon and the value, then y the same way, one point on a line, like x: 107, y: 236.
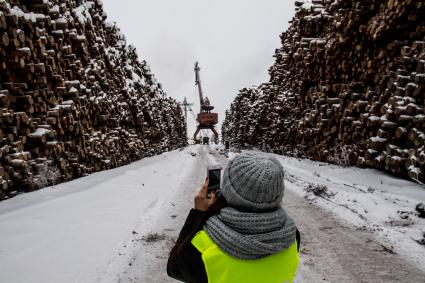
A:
x: 332, y: 251
x: 118, y: 225
x: 78, y: 231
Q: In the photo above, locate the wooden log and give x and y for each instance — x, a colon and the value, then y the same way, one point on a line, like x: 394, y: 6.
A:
x: 5, y: 39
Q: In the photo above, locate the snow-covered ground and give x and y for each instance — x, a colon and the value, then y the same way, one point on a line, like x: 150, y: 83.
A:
x: 366, y: 198
x: 118, y: 225
x: 73, y: 231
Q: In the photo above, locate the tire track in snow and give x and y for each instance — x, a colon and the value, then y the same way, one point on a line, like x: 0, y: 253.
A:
x: 332, y: 251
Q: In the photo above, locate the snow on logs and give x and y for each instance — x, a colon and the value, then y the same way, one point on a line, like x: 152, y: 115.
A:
x: 74, y: 98
x: 347, y: 86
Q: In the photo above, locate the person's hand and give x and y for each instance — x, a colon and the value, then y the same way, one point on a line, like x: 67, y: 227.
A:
x: 202, y: 202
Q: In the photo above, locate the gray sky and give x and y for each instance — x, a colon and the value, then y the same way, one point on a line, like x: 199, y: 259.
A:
x: 233, y: 40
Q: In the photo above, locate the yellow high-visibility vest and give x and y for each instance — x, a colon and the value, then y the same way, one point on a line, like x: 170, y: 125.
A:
x: 223, y: 268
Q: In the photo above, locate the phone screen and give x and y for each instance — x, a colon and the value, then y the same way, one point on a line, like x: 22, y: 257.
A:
x: 214, y: 177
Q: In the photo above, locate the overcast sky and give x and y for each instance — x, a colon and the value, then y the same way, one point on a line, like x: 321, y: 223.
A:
x: 233, y: 40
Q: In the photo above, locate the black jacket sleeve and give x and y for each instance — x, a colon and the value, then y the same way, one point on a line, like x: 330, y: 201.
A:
x: 187, y: 266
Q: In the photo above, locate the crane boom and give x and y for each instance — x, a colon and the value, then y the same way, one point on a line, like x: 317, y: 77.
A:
x: 198, y: 83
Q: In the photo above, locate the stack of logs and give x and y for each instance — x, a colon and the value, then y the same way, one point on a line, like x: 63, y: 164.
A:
x: 74, y: 98
x: 348, y: 86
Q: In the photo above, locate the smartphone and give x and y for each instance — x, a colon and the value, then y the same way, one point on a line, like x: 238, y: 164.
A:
x: 214, y: 176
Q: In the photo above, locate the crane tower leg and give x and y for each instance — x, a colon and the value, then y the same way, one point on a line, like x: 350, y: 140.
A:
x: 195, y: 134
x: 215, y: 135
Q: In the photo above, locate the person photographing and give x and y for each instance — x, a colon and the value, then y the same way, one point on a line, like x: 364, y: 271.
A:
x: 240, y: 233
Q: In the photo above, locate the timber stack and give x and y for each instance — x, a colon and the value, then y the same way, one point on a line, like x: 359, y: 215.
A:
x: 74, y: 97
x: 347, y: 86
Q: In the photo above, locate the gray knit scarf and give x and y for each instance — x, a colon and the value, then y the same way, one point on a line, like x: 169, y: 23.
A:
x: 251, y: 235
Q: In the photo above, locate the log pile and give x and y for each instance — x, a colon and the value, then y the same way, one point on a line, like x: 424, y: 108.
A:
x: 74, y: 97
x: 347, y: 86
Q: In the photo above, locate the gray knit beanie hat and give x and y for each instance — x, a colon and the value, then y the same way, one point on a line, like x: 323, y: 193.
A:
x: 253, y: 181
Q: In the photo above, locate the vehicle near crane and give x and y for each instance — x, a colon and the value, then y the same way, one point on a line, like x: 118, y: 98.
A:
x: 205, y: 118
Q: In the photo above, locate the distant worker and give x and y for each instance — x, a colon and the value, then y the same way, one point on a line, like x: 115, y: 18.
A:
x: 240, y: 234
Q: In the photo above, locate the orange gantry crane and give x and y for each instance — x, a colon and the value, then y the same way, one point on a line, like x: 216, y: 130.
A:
x: 206, y: 120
